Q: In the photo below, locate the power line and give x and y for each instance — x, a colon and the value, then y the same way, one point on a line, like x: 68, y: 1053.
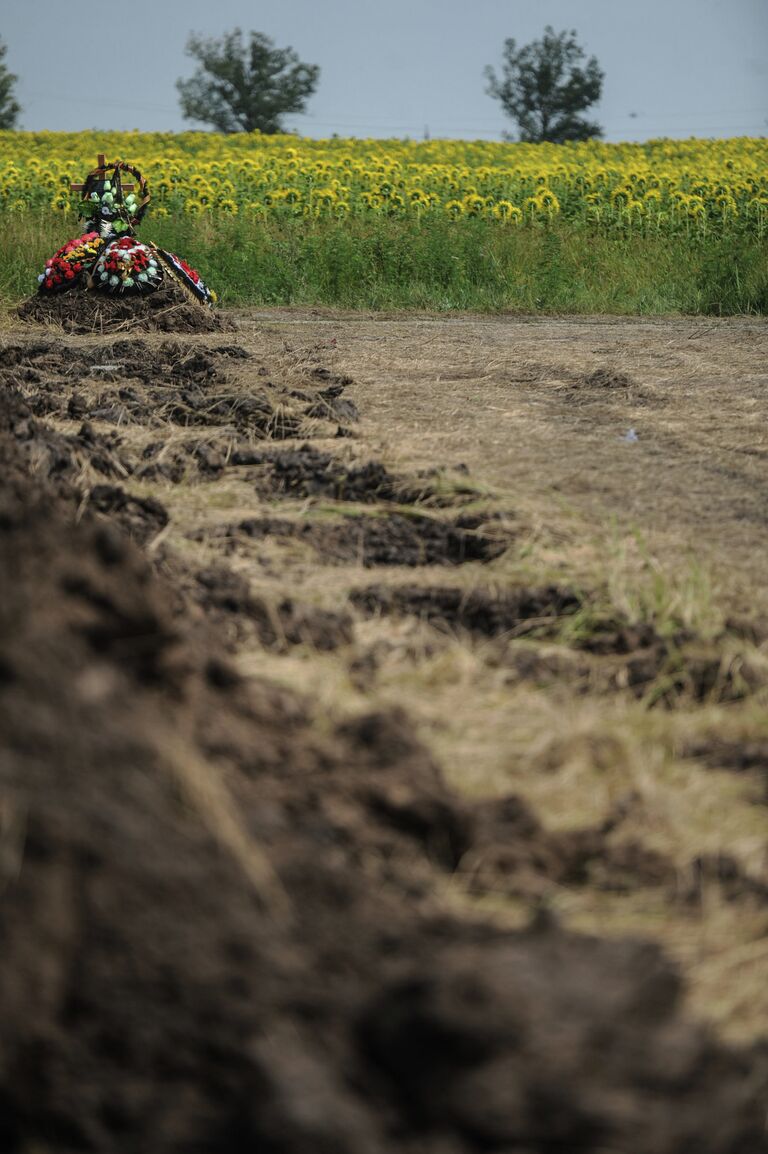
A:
x: 330, y: 119
x: 127, y: 104
x: 488, y: 129
x: 414, y: 129
x: 654, y: 115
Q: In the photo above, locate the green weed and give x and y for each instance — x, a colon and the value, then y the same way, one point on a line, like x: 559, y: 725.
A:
x: 432, y: 264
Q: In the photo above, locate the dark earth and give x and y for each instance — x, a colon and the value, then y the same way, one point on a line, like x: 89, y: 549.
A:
x: 222, y: 925
x: 171, y: 308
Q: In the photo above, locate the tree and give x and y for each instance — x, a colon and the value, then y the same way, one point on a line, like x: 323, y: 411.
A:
x: 241, y: 87
x: 9, y: 109
x: 544, y: 89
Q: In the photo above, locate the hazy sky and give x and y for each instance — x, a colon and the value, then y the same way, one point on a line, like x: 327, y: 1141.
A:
x: 673, y: 68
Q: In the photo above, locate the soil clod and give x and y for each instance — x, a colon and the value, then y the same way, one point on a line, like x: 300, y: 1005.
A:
x: 227, y: 598
x: 370, y: 541
x: 482, y: 612
x: 142, y: 518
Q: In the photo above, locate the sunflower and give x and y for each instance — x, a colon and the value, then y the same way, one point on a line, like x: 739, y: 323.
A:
x: 474, y: 204
x: 548, y: 200
x: 507, y: 212
x: 726, y: 204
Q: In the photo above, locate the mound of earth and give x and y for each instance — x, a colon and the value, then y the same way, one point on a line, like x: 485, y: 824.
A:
x: 171, y: 309
x: 219, y: 925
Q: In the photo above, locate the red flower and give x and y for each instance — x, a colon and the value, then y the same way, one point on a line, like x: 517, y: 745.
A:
x: 195, y: 276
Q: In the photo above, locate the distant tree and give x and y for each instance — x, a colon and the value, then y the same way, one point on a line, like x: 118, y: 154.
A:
x: 544, y: 89
x: 9, y: 109
x: 241, y: 87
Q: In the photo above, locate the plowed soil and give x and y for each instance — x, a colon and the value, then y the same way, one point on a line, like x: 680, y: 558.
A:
x: 382, y: 737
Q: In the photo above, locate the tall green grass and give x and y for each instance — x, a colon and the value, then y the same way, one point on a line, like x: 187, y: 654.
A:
x: 434, y: 264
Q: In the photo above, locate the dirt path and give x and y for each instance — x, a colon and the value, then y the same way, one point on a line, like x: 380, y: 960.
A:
x: 541, y: 409
x: 429, y: 642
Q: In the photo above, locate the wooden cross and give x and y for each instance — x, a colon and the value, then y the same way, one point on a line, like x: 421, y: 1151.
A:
x: 101, y: 162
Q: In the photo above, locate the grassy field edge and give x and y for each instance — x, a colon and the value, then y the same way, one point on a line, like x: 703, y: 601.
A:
x: 437, y: 265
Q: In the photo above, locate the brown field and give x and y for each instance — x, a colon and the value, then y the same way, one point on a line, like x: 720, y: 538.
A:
x: 461, y: 599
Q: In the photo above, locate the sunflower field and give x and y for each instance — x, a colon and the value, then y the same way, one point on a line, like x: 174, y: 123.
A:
x: 339, y: 220
x: 662, y: 185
